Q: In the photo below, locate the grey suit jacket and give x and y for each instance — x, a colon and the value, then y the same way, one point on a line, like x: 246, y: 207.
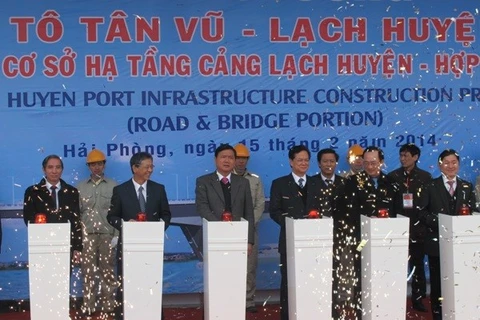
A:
x: 125, y: 206
x: 210, y: 202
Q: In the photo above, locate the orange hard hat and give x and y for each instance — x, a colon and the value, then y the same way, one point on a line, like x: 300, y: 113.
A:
x: 355, y: 150
x: 95, y: 156
x: 242, y: 150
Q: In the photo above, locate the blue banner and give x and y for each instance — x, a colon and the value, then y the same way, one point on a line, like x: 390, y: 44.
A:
x: 176, y: 79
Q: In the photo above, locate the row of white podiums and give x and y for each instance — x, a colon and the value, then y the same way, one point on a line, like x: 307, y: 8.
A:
x: 309, y: 250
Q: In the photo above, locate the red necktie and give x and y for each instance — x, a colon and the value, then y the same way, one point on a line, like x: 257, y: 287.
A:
x: 225, y: 180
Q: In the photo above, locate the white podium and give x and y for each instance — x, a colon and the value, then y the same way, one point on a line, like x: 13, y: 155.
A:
x: 460, y: 265
x: 225, y: 269
x: 49, y: 270
x: 142, y: 269
x: 309, y: 267
x: 384, y: 267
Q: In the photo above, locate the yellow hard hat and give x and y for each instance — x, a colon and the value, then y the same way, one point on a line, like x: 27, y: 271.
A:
x: 95, y: 156
x: 242, y: 150
x: 355, y: 150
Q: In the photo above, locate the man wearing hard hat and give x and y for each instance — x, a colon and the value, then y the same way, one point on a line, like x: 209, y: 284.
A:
x: 98, y: 252
x: 258, y: 198
x: 355, y: 160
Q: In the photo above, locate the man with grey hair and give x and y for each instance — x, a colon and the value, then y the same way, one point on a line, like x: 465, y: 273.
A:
x: 129, y: 199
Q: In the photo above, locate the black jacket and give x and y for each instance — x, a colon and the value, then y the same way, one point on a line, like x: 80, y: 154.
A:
x: 286, y: 201
x: 125, y: 206
x: 412, y: 183
x: 435, y: 200
x: 331, y: 195
x: 362, y: 198
x: 37, y: 199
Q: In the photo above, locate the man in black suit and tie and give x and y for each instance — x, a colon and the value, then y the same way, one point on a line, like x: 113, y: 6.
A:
x: 368, y: 193
x: 447, y: 194
x: 221, y: 191
x: 293, y: 195
x: 57, y: 200
x: 138, y: 195
x: 331, y: 184
x: 371, y: 190
x: 411, y: 181
x: 333, y: 193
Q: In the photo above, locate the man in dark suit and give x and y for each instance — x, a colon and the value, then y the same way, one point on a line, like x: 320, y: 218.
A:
x: 447, y: 194
x: 331, y: 184
x: 140, y: 194
x: 411, y: 181
x: 333, y: 193
x: 366, y: 193
x: 56, y: 199
x: 221, y: 191
x: 293, y: 195
x: 371, y: 190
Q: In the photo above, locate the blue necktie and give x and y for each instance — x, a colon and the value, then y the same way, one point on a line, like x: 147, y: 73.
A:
x: 141, y: 199
x: 300, y: 182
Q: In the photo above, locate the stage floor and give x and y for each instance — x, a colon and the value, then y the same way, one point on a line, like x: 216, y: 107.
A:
x: 267, y: 312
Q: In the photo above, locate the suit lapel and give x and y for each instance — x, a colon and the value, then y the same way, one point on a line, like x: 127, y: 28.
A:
x: 44, y: 194
x: 443, y: 192
x: 134, y: 196
x: 217, y: 187
x: 295, y: 192
x: 293, y: 187
x: 311, y: 185
x: 47, y: 196
x: 60, y: 197
x: 461, y: 194
x: 322, y: 183
x: 148, y: 200
x: 234, y: 187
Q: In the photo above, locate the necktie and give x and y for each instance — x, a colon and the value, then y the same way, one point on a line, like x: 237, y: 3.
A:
x: 54, y: 195
x: 225, y: 180
x: 300, y: 182
x: 141, y: 199
x: 328, y: 182
x: 450, y: 187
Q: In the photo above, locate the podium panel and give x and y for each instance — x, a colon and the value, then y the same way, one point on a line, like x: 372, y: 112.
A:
x: 384, y: 267
x: 225, y: 269
x: 49, y: 270
x: 143, y: 269
x: 309, y: 267
x: 460, y: 265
